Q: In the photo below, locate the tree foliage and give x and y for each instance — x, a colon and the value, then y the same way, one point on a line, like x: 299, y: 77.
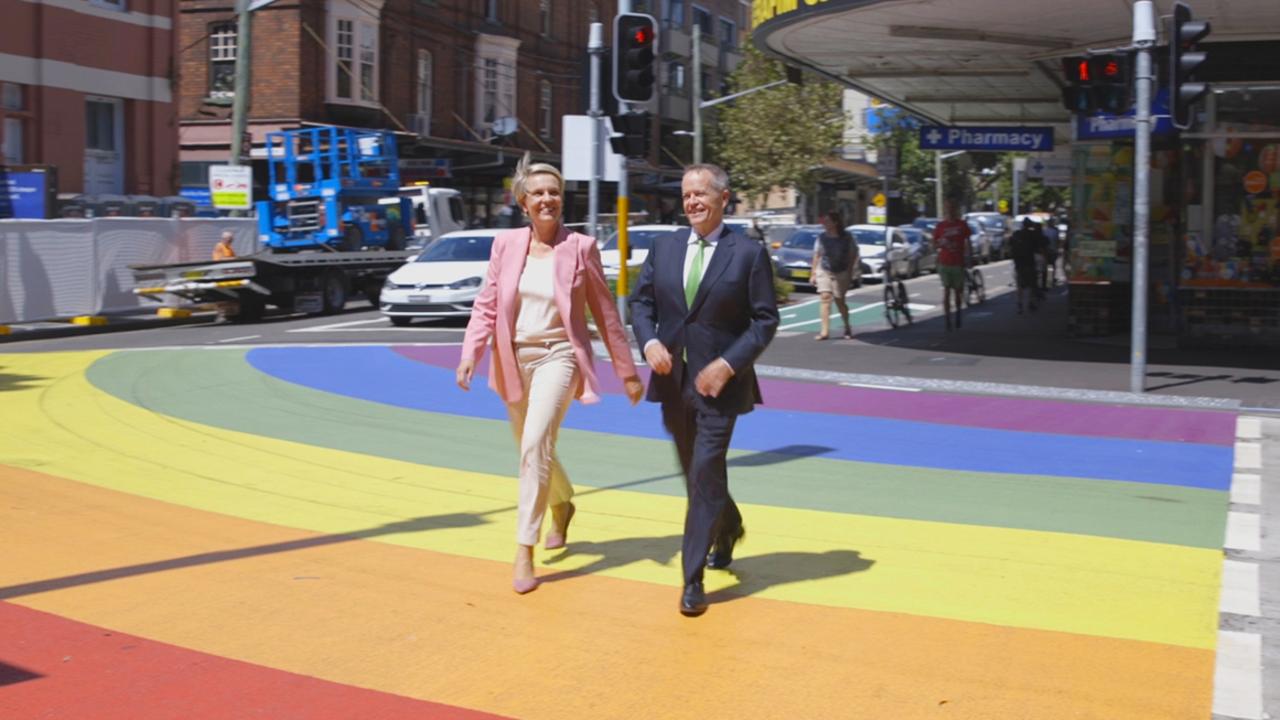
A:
x: 775, y: 137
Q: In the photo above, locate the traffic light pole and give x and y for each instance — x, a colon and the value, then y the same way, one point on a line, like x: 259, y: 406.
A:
x: 595, y: 48
x: 1144, y: 37
x: 624, y: 207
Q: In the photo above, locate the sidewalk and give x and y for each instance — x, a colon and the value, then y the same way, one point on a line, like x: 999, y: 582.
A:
x: 140, y: 319
x: 996, y: 345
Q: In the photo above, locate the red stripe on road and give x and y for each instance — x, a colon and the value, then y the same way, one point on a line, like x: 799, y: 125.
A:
x: 51, y: 667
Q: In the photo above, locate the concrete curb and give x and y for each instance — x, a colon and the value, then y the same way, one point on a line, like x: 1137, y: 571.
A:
x: 117, y: 323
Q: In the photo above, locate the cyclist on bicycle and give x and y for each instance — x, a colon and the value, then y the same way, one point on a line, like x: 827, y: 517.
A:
x: 951, y: 240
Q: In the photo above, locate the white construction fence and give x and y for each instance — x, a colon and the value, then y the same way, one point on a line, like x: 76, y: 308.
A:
x: 51, y: 269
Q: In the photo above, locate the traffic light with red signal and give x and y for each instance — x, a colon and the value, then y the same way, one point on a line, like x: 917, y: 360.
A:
x: 635, y: 52
x: 1098, y: 82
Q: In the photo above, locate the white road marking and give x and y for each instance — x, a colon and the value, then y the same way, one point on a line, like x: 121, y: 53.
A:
x: 1248, y: 455
x: 334, y: 326
x: 1244, y: 531
x: 833, y: 316
x: 1249, y: 428
x: 1240, y: 583
x: 386, y: 327
x: 235, y: 339
x: 882, y: 387
x: 1246, y: 489
x: 1237, y: 676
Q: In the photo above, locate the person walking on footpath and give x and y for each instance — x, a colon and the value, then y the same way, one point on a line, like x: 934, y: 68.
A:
x: 703, y: 310
x: 1024, y: 247
x: 835, y: 255
x: 951, y: 240
x: 540, y: 282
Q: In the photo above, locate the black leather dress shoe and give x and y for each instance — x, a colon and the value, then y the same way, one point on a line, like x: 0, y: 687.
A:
x: 722, y: 553
x: 694, y: 601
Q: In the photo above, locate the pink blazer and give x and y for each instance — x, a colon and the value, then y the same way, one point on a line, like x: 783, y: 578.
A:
x: 580, y: 283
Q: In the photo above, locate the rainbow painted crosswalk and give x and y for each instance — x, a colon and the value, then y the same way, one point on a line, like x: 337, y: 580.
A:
x: 336, y: 524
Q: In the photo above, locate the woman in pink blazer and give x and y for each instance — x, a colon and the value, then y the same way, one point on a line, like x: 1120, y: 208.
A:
x: 540, y: 282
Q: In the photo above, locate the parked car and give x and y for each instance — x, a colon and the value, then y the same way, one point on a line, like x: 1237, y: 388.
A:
x: 877, y: 245
x: 793, y: 258
x: 995, y: 230
x: 923, y: 257
x: 640, y: 239
x: 775, y: 235
x: 442, y: 281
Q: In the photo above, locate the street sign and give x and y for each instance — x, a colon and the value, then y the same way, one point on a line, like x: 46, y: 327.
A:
x: 1053, y: 171
x: 875, y: 215
x: 1026, y: 139
x: 879, y: 200
x: 887, y: 163
x: 231, y: 186
x: 575, y: 149
x: 1111, y: 127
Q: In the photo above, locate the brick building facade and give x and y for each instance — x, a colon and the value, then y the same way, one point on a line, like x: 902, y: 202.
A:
x: 87, y: 86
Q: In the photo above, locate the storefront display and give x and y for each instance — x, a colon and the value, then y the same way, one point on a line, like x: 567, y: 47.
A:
x: 1101, y: 225
x: 1242, y: 249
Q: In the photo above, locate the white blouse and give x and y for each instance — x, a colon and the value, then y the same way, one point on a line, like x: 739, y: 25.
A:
x: 538, y: 319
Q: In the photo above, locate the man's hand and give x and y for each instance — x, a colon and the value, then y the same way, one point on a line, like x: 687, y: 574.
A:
x: 713, y: 377
x: 634, y: 389
x: 658, y: 357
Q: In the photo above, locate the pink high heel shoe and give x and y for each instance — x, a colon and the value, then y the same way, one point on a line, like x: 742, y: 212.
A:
x: 557, y: 540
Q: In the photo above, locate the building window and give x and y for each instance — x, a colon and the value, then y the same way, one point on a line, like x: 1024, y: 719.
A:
x: 544, y: 109
x: 345, y: 50
x: 100, y: 126
x: 675, y: 78
x: 728, y: 35
x: 368, y: 62
x: 544, y: 16
x: 641, y: 6
x: 489, y: 87
x: 495, y: 84
x: 706, y: 84
x: 13, y: 128
x: 673, y: 13
x: 355, y: 61
x: 702, y: 21
x: 423, y: 122
x: 491, y: 10
x: 222, y: 60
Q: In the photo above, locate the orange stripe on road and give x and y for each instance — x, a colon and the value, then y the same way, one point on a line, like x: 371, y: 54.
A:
x: 448, y: 629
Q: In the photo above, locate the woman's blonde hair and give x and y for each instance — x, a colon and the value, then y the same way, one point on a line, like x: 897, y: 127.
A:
x: 526, y: 169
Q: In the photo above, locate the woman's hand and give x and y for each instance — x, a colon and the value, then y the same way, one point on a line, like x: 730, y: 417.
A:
x: 634, y: 388
x: 466, y: 369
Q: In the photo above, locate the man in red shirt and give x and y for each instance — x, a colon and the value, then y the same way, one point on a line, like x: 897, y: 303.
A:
x: 951, y: 240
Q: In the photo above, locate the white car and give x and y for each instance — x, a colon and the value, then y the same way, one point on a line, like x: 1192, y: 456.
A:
x: 873, y: 241
x: 442, y: 281
x: 639, y: 238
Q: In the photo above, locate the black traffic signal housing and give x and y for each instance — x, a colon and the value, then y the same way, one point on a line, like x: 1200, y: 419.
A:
x: 630, y: 136
x: 635, y: 43
x: 1112, y: 82
x: 1077, y: 96
x: 1098, y: 82
x: 1184, y: 60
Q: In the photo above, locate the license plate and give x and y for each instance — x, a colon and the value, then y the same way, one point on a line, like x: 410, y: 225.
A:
x: 800, y: 274
x: 419, y: 298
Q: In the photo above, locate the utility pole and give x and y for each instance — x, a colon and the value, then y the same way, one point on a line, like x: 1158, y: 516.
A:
x: 623, y: 207
x: 937, y: 186
x: 244, y: 62
x: 595, y: 48
x: 697, y: 94
x: 1144, y: 37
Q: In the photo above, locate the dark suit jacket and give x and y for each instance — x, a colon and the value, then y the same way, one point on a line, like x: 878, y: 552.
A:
x: 734, y: 316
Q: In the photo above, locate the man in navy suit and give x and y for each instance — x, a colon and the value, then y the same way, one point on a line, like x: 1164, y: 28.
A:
x: 703, y: 310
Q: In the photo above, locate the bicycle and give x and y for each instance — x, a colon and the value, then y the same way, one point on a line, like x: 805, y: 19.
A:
x: 975, y: 288
x: 895, y: 298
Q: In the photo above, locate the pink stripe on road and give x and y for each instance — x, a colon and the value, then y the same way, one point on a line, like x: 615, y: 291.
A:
x: 982, y: 411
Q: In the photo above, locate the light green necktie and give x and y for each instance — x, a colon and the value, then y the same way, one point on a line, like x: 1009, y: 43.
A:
x: 695, y: 275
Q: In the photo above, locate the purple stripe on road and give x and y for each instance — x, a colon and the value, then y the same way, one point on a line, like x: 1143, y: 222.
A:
x: 984, y: 411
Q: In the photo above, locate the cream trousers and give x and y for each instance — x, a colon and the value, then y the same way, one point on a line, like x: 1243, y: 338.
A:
x: 550, y: 379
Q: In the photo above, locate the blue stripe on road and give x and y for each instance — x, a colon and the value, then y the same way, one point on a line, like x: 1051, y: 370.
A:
x: 378, y: 374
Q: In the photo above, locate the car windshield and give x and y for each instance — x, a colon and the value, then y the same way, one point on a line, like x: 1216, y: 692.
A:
x: 925, y: 224
x: 975, y: 228
x: 636, y: 239
x: 464, y: 248
x: 991, y: 221
x: 913, y: 236
x: 867, y: 236
x: 802, y: 239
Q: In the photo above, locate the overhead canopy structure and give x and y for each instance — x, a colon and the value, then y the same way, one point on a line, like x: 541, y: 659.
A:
x: 991, y: 62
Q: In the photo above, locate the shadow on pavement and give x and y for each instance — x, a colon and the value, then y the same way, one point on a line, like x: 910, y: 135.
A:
x: 756, y: 573
x: 9, y: 381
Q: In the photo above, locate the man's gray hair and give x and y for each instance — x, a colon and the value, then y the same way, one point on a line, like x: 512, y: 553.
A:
x: 719, y: 178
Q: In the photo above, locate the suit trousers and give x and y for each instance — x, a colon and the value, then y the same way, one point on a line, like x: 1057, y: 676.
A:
x: 550, y: 378
x: 702, y: 442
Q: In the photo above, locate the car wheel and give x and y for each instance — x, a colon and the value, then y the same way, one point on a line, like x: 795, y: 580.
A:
x: 333, y: 291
